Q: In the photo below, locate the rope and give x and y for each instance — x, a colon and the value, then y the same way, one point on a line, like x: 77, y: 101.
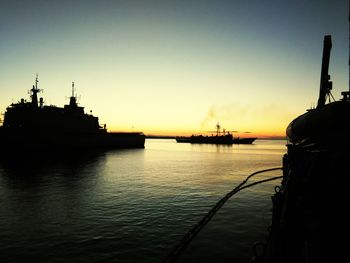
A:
x: 186, y: 240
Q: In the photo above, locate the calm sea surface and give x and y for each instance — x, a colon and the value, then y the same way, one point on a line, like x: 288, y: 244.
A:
x: 135, y: 205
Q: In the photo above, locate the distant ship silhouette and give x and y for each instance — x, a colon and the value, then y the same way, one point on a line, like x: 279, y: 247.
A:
x: 221, y: 137
x: 34, y: 126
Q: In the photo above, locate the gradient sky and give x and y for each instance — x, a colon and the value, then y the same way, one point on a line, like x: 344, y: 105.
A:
x: 175, y: 67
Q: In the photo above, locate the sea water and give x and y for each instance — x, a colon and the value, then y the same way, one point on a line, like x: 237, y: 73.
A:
x: 135, y: 205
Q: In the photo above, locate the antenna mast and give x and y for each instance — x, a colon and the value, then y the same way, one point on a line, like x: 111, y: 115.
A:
x: 36, y: 81
x: 218, y: 129
x: 73, y: 89
x: 34, y: 91
x: 73, y: 99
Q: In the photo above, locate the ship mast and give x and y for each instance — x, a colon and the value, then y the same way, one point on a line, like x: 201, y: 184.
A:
x: 218, y: 129
x: 34, y: 91
x: 325, y: 83
x: 73, y: 99
x: 73, y: 89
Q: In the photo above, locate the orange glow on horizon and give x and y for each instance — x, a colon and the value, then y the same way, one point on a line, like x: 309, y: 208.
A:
x: 277, y: 134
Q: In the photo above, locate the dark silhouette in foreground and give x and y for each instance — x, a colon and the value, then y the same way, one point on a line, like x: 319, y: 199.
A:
x: 309, y: 218
x: 33, y: 126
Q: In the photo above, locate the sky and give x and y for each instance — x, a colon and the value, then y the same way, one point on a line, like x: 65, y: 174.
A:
x: 175, y: 67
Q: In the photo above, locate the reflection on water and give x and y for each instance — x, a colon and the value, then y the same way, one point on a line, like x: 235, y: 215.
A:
x: 133, y: 205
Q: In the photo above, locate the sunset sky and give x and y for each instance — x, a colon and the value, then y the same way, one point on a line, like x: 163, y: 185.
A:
x: 175, y: 67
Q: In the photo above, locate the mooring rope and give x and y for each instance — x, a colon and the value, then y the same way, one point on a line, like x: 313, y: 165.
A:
x: 186, y: 240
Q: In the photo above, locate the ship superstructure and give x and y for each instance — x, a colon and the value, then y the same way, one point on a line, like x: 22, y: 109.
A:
x: 33, y: 125
x: 35, y: 116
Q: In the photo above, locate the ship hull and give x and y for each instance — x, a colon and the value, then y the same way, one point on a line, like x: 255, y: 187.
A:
x: 243, y: 140
x: 25, y: 141
x: 215, y: 140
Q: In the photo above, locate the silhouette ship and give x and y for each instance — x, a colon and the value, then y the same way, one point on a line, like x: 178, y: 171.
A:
x: 31, y: 125
x: 308, y: 216
x: 221, y: 137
